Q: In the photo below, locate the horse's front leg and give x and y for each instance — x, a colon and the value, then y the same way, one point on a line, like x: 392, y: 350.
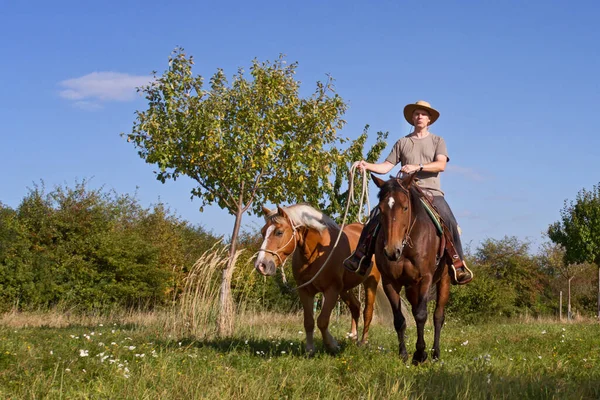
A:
x: 443, y: 294
x: 309, y: 319
x: 418, y: 296
x: 399, y: 320
x: 330, y: 297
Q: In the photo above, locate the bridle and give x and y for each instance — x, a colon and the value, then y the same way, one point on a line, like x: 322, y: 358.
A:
x: 293, y: 237
x: 406, y: 239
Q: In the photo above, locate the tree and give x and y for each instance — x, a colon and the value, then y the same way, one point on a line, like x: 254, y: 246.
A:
x: 552, y: 261
x: 508, y: 260
x: 245, y: 143
x: 578, y: 231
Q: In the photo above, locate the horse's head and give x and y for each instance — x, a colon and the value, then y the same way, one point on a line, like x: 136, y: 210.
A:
x: 280, y: 240
x: 396, y: 212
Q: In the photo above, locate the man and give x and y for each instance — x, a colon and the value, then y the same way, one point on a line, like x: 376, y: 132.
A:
x: 425, y: 154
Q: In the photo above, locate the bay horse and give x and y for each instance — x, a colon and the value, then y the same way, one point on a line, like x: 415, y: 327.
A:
x: 406, y: 252
x: 310, y: 235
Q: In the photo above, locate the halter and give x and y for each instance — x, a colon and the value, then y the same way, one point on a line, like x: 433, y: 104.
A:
x: 275, y: 253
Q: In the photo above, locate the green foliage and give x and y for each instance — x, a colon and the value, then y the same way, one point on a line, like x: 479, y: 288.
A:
x: 508, y: 281
x: 483, y: 298
x: 509, y: 262
x: 85, y: 249
x: 578, y: 231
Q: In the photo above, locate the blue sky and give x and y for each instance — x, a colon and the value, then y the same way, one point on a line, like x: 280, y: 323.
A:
x: 516, y: 83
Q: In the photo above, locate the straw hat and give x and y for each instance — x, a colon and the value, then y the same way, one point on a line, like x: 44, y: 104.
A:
x: 423, y: 105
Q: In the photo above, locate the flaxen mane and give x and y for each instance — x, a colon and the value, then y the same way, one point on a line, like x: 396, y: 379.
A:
x: 306, y: 215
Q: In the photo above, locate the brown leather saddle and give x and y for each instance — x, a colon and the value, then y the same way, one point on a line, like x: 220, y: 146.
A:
x: 446, y: 242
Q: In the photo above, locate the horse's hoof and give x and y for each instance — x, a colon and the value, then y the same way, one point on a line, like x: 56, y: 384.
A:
x: 362, y: 343
x: 419, y: 358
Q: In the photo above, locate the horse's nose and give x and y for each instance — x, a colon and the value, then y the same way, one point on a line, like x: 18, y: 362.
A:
x: 260, y: 267
x: 392, y: 254
x: 266, y: 268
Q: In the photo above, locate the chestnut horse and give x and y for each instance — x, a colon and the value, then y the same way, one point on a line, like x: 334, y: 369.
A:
x: 406, y: 252
x: 310, y: 236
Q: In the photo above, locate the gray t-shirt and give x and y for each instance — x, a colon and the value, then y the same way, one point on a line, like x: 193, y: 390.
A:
x: 412, y: 150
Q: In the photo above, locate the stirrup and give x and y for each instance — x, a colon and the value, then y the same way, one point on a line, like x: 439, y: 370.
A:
x: 454, y: 274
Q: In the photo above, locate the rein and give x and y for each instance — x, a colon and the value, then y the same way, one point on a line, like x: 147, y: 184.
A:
x: 407, y: 239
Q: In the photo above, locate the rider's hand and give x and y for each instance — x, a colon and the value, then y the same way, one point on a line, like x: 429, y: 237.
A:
x: 410, y: 168
x: 360, y: 165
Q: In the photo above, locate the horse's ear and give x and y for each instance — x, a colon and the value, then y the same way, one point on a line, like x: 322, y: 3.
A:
x: 281, y: 211
x: 378, y: 181
x: 409, y: 180
x: 266, y: 212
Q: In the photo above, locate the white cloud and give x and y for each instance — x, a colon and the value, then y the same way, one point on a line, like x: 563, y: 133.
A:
x: 87, y: 91
x: 467, y: 172
x: 88, y: 105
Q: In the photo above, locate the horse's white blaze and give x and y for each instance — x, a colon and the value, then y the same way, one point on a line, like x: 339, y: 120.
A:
x: 261, y: 254
x: 391, y: 202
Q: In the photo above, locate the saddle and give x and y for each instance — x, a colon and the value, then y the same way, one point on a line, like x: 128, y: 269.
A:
x: 446, y: 243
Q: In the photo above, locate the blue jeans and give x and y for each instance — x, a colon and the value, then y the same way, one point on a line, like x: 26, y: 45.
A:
x: 446, y: 213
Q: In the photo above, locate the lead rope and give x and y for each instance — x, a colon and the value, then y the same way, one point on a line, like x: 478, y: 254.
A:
x: 349, y: 200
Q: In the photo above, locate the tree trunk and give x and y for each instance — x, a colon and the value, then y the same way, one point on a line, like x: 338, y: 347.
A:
x: 598, y: 291
x: 226, y: 312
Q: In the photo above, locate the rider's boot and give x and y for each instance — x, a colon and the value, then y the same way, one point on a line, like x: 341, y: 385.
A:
x: 360, y: 260
x: 460, y: 274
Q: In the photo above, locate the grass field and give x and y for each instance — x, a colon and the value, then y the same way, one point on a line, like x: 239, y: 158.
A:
x: 136, y: 358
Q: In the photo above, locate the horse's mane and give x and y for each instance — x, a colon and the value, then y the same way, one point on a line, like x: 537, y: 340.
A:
x: 306, y: 215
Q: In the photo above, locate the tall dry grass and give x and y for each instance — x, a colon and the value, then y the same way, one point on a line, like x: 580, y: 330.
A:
x: 196, y: 312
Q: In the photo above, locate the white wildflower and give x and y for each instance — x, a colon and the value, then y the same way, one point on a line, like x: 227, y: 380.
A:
x: 83, y: 353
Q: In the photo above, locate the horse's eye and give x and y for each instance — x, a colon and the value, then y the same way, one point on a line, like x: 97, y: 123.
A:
x: 278, y: 233
x: 405, y: 208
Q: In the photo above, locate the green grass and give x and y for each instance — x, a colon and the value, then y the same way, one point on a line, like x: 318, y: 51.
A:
x: 265, y: 360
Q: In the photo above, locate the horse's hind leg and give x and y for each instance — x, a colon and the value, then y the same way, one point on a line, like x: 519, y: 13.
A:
x: 354, y: 305
x: 443, y: 294
x: 399, y: 320
x: 309, y: 320
x: 417, y: 296
x: 330, y: 297
x: 370, y: 286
